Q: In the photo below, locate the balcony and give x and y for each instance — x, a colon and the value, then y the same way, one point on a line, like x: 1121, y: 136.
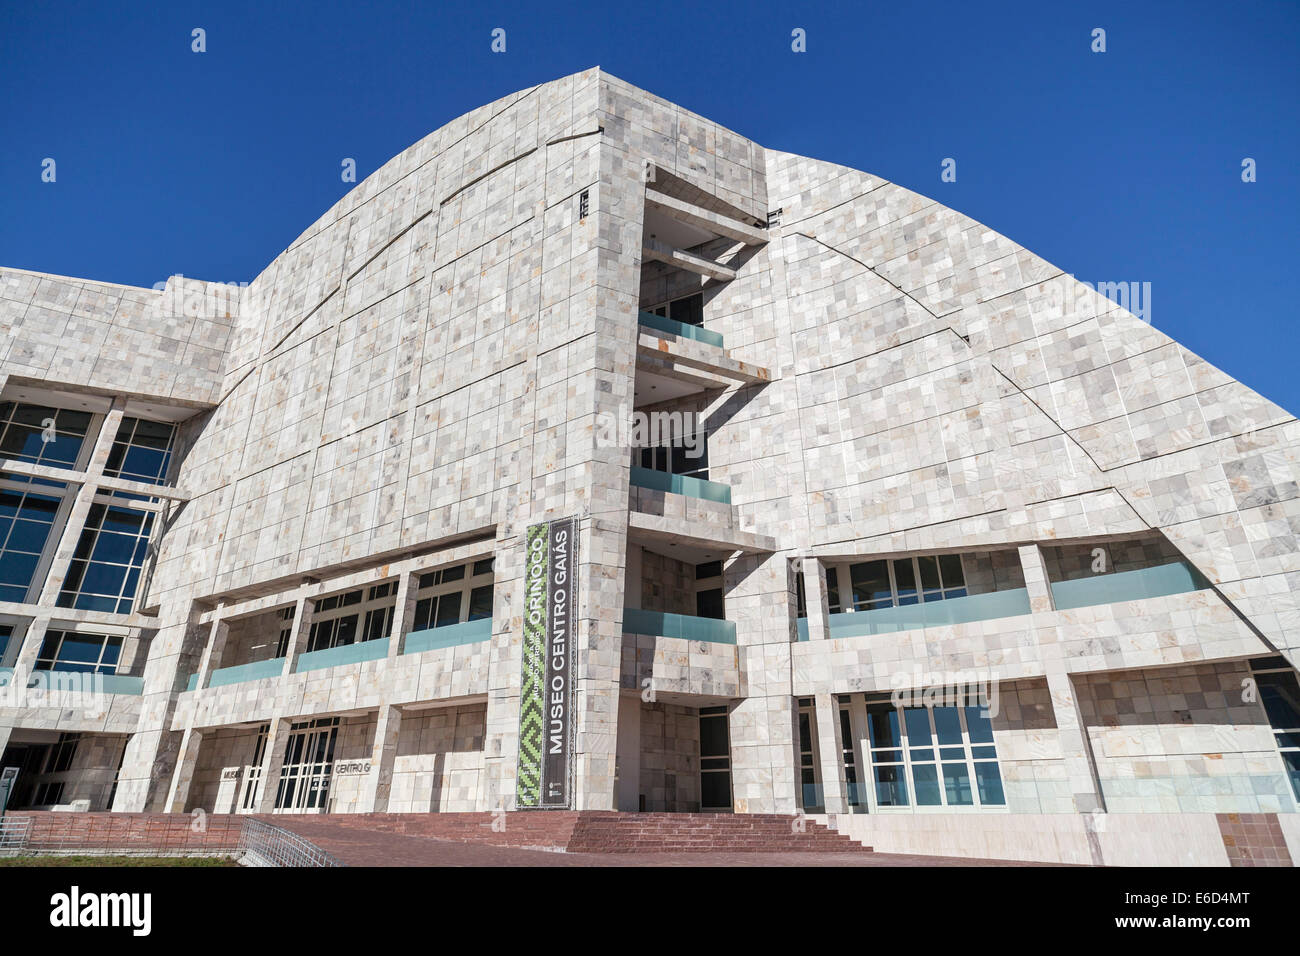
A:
x: 962, y: 610
x: 1177, y: 577
x: 449, y: 635
x: 79, y: 681
x: 683, y: 626
x: 680, y: 485
x: 669, y: 326
x: 342, y: 655
x: 257, y: 670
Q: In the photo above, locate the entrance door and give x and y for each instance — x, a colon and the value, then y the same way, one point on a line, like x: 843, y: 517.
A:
x: 251, y: 789
x: 308, y: 767
x: 809, y: 769
x: 715, y: 759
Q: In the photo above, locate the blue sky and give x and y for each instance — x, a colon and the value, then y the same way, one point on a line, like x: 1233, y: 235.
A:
x: 1115, y: 166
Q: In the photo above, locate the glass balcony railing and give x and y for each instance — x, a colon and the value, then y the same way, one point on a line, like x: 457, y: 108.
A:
x: 449, y: 635
x: 193, y: 682
x: 1177, y: 577
x: 680, y: 485
x: 684, y: 626
x: 962, y: 610
x: 240, y: 673
x: 341, y: 655
x: 814, y: 797
x: 60, y: 680
x: 123, y: 684
x: 672, y: 327
x: 814, y: 800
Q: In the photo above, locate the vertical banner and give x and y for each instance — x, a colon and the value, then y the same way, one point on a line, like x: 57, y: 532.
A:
x: 546, y: 688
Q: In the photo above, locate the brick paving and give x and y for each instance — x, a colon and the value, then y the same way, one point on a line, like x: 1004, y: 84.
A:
x: 361, y: 847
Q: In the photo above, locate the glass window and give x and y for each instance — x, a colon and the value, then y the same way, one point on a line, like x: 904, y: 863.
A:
x: 870, y: 584
x: 1279, y: 692
x: 141, y: 451
x: 455, y: 597
x: 6, y: 632
x: 708, y: 603
x: 42, y: 435
x: 689, y: 309
x: 79, y: 653
x: 105, y: 569
x: 948, y: 752
x: 833, y: 590
x: 27, y: 516
x: 480, y: 603
x: 928, y: 565
x: 903, y: 581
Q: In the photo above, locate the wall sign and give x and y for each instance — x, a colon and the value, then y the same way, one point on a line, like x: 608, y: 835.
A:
x: 546, y: 691
x: 351, y: 768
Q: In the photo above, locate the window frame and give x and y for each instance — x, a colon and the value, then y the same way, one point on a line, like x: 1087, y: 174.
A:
x: 464, y: 586
x: 44, y: 662
x: 866, y: 757
x: 840, y: 592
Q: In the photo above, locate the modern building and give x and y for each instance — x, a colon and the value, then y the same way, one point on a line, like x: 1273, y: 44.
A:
x: 855, y: 507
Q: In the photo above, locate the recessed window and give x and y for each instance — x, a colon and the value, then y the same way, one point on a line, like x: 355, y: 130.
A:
x: 453, y: 595
x: 933, y: 756
x: 688, y: 309
x: 1279, y: 692
x: 105, y: 569
x: 141, y: 451
x: 363, y: 614
x: 28, y: 509
x: 42, y: 435
x: 900, y: 582
x: 79, y: 653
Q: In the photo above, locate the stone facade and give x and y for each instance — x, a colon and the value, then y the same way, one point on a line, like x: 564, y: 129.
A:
x: 427, y: 370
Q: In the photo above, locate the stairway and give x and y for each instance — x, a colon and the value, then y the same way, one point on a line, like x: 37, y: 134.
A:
x: 593, y: 831
x: 706, y: 833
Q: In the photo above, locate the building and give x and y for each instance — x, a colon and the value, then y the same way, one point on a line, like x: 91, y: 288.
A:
x: 856, y: 506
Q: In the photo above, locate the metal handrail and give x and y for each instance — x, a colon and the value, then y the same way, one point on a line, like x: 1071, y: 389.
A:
x: 14, y: 832
x: 276, y: 846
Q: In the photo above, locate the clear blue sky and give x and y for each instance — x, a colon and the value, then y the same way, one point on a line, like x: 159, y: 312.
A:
x: 1122, y: 166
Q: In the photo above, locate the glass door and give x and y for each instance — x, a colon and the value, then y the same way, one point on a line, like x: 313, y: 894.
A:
x: 715, y: 759
x: 308, y: 767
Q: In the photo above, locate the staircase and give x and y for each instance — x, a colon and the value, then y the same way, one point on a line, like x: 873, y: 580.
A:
x: 706, y: 833
x: 592, y: 831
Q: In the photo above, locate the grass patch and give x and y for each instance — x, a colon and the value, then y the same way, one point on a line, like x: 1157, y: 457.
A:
x: 86, y: 861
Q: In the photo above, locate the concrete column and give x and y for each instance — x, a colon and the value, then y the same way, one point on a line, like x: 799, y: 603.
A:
x: 299, y: 633
x: 830, y: 753
x: 501, y: 732
x: 403, y: 613
x: 186, y: 762
x: 816, y: 599
x: 76, y: 522
x: 379, y: 785
x: 33, y: 638
x: 212, y: 652
x: 1080, y: 765
x: 1036, y: 580
x: 272, y: 763
x: 760, y: 599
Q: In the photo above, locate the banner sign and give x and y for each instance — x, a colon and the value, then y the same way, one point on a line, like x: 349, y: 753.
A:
x: 546, y: 691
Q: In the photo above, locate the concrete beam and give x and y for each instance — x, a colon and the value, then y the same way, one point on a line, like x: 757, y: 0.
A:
x: 714, y: 222
x: 656, y: 251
